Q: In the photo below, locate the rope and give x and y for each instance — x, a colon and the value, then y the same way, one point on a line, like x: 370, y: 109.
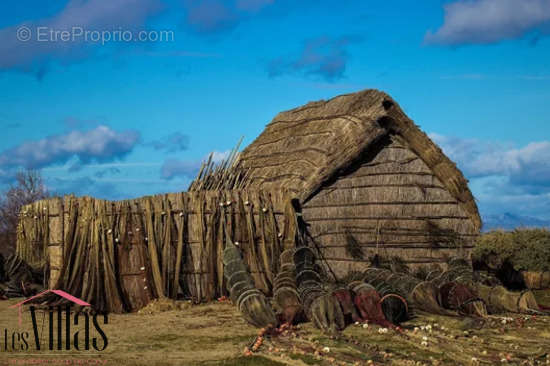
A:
x: 321, y: 255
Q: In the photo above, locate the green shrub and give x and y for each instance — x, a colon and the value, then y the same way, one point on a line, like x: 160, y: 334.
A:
x: 525, y: 249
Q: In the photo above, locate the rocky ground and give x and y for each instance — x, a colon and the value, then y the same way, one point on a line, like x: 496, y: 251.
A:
x: 167, y: 333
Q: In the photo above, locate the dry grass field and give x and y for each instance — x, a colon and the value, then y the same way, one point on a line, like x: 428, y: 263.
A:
x: 215, y: 334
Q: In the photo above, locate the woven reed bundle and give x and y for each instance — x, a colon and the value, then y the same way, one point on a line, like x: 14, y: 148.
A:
x: 377, y: 309
x: 285, y: 292
x: 317, y: 296
x: 308, y: 279
x: 421, y: 295
x: 500, y: 300
x: 250, y: 301
x: 536, y: 280
x: 118, y: 256
x: 32, y: 234
x: 496, y: 297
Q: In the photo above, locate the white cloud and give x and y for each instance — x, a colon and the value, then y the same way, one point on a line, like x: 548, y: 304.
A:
x: 476, y: 158
x: 527, y: 165
x: 179, y: 168
x: 174, y: 142
x: 35, y: 54
x: 324, y: 57
x: 490, y: 21
x: 503, y: 178
x: 531, y: 165
x: 219, y: 156
x: 218, y: 16
x: 189, y: 168
x: 101, y: 144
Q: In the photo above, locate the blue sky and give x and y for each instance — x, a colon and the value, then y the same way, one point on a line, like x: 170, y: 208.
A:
x: 118, y: 119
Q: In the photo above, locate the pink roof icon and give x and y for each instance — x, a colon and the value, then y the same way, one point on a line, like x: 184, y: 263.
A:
x: 57, y: 292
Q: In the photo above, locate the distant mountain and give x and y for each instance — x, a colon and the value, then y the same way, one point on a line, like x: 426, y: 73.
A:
x: 509, y: 221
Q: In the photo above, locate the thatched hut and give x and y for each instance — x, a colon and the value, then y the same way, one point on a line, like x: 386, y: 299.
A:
x: 369, y: 181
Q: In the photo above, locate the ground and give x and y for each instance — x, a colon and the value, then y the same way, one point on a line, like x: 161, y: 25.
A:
x: 168, y: 333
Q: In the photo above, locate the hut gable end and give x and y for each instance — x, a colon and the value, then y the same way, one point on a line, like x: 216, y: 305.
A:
x: 392, y: 204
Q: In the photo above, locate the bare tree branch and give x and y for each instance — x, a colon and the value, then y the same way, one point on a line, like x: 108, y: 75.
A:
x: 29, y: 187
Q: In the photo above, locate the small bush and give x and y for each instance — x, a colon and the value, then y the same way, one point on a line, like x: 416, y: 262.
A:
x: 524, y: 249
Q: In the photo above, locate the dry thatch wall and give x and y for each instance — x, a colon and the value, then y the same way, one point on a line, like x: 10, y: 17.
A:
x: 120, y: 255
x: 390, y: 204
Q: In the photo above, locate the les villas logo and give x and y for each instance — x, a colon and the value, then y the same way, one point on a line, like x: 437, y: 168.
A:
x: 65, y: 331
